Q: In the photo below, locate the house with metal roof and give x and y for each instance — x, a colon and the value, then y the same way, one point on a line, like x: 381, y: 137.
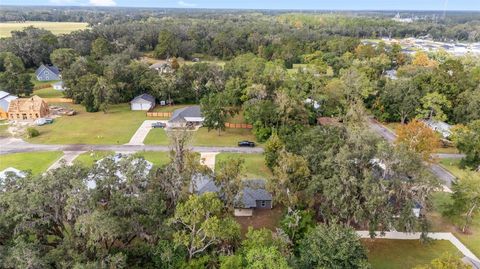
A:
x: 189, y: 116
x: 48, y: 73
x: 5, y: 99
x: 143, y: 102
x: 11, y: 171
x: 253, y: 195
x: 439, y: 126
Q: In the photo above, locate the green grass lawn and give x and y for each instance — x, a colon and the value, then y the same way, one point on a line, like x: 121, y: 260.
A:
x: 3, y: 128
x: 453, y: 166
x: 37, y: 162
x: 115, y: 127
x: 402, y: 254
x: 229, y: 138
x: 89, y: 158
x: 254, y: 164
x: 56, y: 28
x: 157, y: 136
x: 49, y: 93
x: 471, y: 239
x: 158, y: 158
x: 168, y: 108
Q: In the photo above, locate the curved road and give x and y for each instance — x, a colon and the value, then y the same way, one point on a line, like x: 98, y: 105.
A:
x: 446, y: 177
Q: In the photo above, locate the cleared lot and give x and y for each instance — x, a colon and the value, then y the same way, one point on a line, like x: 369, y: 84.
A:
x: 56, y: 28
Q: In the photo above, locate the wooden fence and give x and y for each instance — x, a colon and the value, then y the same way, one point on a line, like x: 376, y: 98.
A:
x: 58, y: 100
x: 159, y: 114
x: 238, y: 125
x: 43, y: 86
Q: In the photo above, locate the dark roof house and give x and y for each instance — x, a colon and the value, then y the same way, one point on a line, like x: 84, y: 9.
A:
x: 48, y: 73
x: 253, y: 195
x: 190, y: 115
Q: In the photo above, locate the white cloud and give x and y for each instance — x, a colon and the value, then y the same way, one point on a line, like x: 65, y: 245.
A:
x: 185, y: 4
x: 107, y: 3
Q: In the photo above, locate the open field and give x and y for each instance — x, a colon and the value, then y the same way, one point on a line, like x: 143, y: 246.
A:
x: 57, y: 28
x: 471, y: 239
x: 49, y: 93
x: 254, y: 164
x: 402, y: 254
x: 157, y: 136
x: 115, y: 127
x: 89, y: 158
x: 158, y: 158
x: 228, y: 138
x: 37, y: 162
x: 453, y: 166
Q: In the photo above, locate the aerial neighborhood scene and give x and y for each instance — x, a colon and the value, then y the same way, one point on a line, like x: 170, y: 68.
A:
x: 240, y: 134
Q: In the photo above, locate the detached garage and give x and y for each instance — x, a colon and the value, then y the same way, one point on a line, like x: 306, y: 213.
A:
x: 143, y: 102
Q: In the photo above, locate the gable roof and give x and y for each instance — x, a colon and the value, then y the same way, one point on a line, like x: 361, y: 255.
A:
x: 3, y: 94
x: 5, y: 99
x: 34, y: 103
x: 143, y: 98
x: 186, y: 112
x: 51, y: 68
x: 253, y: 190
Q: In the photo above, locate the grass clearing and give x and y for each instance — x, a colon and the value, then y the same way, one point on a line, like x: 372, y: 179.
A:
x: 158, y: 158
x: 168, y: 108
x: 115, y: 127
x: 471, y: 239
x: 49, y: 93
x: 401, y: 254
x: 157, y: 136
x: 453, y: 166
x: 57, y: 28
x: 89, y: 158
x: 254, y: 164
x: 228, y: 138
x: 36, y: 162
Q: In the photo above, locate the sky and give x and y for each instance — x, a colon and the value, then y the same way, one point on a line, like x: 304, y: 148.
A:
x: 269, y: 4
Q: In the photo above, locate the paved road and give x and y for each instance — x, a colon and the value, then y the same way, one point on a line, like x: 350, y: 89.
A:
x: 13, y: 145
x: 446, y: 177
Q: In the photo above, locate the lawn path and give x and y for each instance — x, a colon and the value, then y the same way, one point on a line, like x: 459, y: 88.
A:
x: 142, y: 132
x: 68, y: 157
x: 416, y: 236
x: 208, y: 159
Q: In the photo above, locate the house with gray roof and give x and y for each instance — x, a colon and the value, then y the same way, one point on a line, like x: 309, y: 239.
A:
x: 189, y: 116
x: 253, y: 195
x: 48, y: 73
x: 439, y: 126
x: 5, y: 99
x: 143, y: 102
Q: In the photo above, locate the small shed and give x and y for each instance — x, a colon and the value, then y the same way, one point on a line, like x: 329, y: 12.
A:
x: 143, y: 102
x: 58, y: 86
x: 48, y: 73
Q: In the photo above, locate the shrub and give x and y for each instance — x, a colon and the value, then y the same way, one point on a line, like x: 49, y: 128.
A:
x: 32, y: 132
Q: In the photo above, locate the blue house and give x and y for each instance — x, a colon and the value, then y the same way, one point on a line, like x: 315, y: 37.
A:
x: 48, y: 73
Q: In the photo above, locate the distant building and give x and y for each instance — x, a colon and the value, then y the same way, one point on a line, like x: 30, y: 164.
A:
x: 313, y: 103
x: 253, y: 195
x: 48, y: 73
x: 5, y: 99
x: 186, y: 117
x: 58, y: 86
x: 28, y: 108
x: 439, y: 126
x: 163, y: 67
x: 400, y: 19
x: 143, y: 102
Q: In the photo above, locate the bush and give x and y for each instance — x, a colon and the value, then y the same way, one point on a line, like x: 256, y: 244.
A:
x: 32, y: 132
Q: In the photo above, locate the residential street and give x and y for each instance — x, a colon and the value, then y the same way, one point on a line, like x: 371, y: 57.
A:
x: 446, y: 177
x: 13, y: 145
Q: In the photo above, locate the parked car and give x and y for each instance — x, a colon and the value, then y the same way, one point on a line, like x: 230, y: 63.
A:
x: 159, y: 125
x: 43, y: 121
x: 246, y: 144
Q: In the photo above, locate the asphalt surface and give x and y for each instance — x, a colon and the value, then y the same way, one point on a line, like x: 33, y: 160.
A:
x: 446, y: 177
x: 14, y: 145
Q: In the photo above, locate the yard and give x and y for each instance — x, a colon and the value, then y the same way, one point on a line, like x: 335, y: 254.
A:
x: 453, y: 165
x: 37, y: 162
x: 202, y: 137
x: 158, y: 158
x: 401, y: 254
x: 89, y: 158
x: 168, y: 108
x: 3, y: 128
x: 254, y: 164
x: 115, y: 127
x: 471, y: 239
x: 56, y: 28
x: 263, y: 218
x: 48, y: 93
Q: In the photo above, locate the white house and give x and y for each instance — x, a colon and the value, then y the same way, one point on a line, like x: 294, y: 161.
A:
x: 143, y: 102
x: 442, y: 127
